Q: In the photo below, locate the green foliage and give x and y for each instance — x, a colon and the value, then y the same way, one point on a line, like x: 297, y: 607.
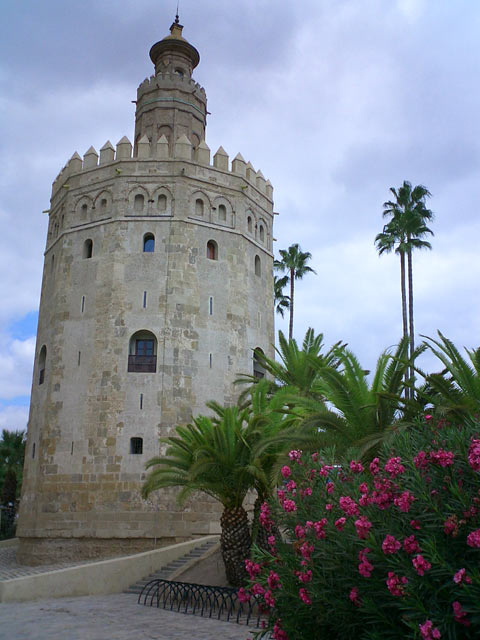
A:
x: 362, y: 584
x: 12, y: 454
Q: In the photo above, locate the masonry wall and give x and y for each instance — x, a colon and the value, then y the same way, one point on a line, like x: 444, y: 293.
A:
x: 81, y: 484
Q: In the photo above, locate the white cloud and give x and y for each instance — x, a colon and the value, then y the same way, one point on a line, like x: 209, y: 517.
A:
x: 16, y: 363
x: 14, y: 418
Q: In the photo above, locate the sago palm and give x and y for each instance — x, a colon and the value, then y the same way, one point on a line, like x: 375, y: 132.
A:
x: 359, y: 415
x: 456, y: 390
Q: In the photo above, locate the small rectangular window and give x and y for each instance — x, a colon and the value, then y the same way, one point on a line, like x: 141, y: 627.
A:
x: 136, y: 445
x: 79, y: 357
x: 83, y: 304
x: 33, y: 450
x: 210, y: 306
x: 41, y: 376
x: 144, y: 299
x: 210, y: 360
x: 141, y: 401
x: 71, y: 450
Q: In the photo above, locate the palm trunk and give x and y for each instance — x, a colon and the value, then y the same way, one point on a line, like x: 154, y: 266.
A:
x: 404, y: 310
x: 235, y: 544
x: 410, y: 310
x: 290, y: 328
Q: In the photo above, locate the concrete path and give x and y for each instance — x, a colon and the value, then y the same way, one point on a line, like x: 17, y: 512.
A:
x: 112, y: 617
x: 9, y: 567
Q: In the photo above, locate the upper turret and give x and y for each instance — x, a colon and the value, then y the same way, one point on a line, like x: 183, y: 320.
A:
x: 171, y: 103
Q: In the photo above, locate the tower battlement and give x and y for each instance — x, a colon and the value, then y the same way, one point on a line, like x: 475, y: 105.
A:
x: 159, y: 156
x: 169, y: 79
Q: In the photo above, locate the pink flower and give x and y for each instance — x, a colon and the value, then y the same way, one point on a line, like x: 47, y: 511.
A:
x: 450, y: 526
x: 410, y: 545
x: 390, y: 545
x: 243, y: 595
x: 253, y: 569
x: 459, y: 614
x: 295, y: 454
x: 363, y: 488
x: 315, y: 457
x: 394, y: 467
x: 269, y: 600
x: 415, y: 524
x: 306, y: 492
x: 273, y: 580
x: 325, y: 470
x: 363, y: 526
x: 461, y: 576
x: 289, y: 505
x: 354, y: 597
x: 304, y: 577
x: 421, y: 565
x: 304, y: 595
x: 428, y: 417
x: 442, y: 457
x: 291, y: 486
x: 319, y: 528
x: 396, y: 584
x: 271, y: 540
x: 328, y: 506
x: 340, y: 523
x: 278, y: 632
x: 285, y: 471
x: 330, y: 487
x: 428, y: 631
x: 258, y: 590
x: 473, y: 539
x: 365, y: 567
x: 356, y: 466
x: 421, y: 460
x: 299, y: 531
x: 306, y: 550
x: 374, y: 466
x: 264, y: 517
x: 404, y: 501
x: 348, y: 505
x: 474, y: 454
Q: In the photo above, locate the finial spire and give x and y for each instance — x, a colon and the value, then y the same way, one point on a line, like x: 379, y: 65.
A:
x: 177, y: 18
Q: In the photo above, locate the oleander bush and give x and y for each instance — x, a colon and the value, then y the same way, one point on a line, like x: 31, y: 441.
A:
x: 385, y: 550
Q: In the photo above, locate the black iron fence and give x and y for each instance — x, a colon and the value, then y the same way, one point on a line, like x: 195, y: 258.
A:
x: 221, y: 603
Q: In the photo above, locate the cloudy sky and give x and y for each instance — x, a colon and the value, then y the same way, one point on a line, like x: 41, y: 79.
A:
x: 335, y: 101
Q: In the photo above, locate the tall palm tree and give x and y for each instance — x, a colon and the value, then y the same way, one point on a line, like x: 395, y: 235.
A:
x: 12, y: 453
x: 280, y: 300
x: 294, y: 263
x: 406, y: 230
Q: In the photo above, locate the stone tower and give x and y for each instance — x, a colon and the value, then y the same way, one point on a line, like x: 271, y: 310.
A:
x: 157, y: 287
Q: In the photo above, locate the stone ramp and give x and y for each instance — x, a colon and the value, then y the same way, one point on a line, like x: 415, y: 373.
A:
x: 176, y: 567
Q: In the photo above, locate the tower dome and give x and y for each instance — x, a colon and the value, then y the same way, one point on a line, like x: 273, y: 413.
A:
x: 174, y: 53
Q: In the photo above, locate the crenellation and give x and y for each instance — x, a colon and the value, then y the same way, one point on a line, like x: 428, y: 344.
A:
x: 124, y: 149
x: 90, y: 159
x: 107, y: 153
x: 220, y: 159
x: 143, y: 147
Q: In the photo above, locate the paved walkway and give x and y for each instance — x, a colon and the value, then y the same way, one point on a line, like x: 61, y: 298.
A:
x: 112, y: 617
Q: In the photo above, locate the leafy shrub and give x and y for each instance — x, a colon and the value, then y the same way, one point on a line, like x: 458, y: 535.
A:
x: 387, y: 551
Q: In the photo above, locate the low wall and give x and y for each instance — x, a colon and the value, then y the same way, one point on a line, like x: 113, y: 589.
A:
x: 106, y: 576
x: 11, y: 542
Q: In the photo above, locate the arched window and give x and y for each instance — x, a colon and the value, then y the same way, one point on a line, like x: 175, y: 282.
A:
x: 258, y: 266
x: 87, y: 248
x: 42, y: 361
x: 249, y: 224
x: 199, y: 207
x: 142, y: 353
x: 162, y: 202
x: 136, y: 445
x: 84, y: 211
x: 138, y: 203
x: 148, y: 243
x: 258, y: 369
x: 212, y: 250
x: 262, y: 233
x: 103, y: 205
x: 179, y: 72
x: 222, y: 212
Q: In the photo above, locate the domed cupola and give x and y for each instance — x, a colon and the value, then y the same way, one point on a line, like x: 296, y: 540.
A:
x: 174, y: 54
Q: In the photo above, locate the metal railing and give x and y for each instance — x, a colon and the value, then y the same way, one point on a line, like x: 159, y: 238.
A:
x: 142, y: 364
x: 221, y: 603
